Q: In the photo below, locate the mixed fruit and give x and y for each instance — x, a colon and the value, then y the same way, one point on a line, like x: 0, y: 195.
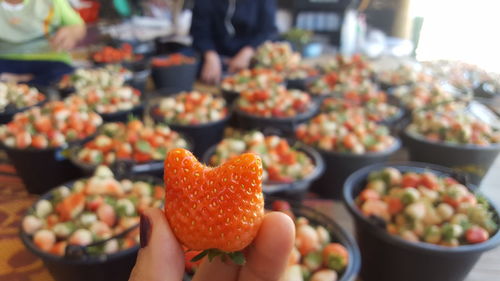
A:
x: 251, y: 79
x: 276, y: 55
x: 425, y: 207
x: 92, y: 210
x: 103, y: 77
x: 347, y: 132
x: 132, y: 141
x: 422, y: 95
x: 191, y: 108
x: 109, y: 54
x: 54, y: 125
x: 315, y: 257
x: 365, y: 100
x: 452, y: 124
x: 355, y: 65
x: 373, y: 111
x: 17, y: 96
x: 341, y: 74
x: 281, y: 162
x: 335, y: 82
x: 172, y: 60
x: 110, y: 99
x: 276, y: 102
x: 402, y: 75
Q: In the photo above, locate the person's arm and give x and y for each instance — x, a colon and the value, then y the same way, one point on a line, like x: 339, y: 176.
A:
x: 72, y: 28
x: 201, y: 30
x: 267, y: 23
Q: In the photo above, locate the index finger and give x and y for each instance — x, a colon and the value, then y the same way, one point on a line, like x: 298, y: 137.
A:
x: 267, y: 257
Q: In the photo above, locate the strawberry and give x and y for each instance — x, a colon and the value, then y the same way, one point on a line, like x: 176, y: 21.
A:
x: 215, y: 210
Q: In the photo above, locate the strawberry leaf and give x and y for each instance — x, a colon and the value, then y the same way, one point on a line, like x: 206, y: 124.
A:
x: 238, y: 258
x: 212, y: 253
x: 199, y: 256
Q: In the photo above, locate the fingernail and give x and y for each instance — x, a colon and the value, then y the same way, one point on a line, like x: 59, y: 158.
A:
x: 145, y: 231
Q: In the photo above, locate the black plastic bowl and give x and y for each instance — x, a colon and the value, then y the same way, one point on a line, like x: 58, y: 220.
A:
x: 294, y: 191
x: 299, y: 84
x: 123, y: 116
x: 339, y: 165
x: 474, y: 160
x: 139, y: 80
x: 7, y: 115
x: 178, y: 77
x: 282, y: 126
x: 229, y: 96
x: 386, y: 257
x: 203, y: 136
x: 386, y: 86
x: 42, y: 169
x: 84, y: 267
x: 152, y: 168
x: 337, y: 233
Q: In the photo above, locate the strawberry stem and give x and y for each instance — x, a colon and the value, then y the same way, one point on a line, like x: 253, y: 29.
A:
x: 237, y: 257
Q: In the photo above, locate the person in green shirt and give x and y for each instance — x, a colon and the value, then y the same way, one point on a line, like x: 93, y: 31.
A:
x: 35, y: 36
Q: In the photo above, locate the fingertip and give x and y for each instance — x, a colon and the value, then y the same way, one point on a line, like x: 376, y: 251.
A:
x: 277, y: 231
x: 268, y: 256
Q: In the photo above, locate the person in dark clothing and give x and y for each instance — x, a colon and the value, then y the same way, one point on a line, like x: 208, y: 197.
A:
x: 228, y: 31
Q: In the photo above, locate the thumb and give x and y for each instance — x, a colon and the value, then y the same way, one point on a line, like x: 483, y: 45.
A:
x: 161, y: 257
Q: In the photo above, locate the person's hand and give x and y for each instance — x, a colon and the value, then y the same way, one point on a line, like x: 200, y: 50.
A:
x: 15, y: 78
x: 241, y: 60
x: 211, y: 71
x: 161, y: 257
x: 67, y: 37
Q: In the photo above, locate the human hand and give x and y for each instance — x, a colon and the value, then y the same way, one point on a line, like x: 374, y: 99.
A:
x: 67, y: 37
x: 161, y: 257
x: 15, y: 78
x: 211, y: 71
x: 241, y: 60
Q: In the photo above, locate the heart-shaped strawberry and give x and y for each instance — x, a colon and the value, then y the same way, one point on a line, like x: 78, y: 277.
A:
x: 216, y: 209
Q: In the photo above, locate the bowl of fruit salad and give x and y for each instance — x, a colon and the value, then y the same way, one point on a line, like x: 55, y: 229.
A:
x: 356, y: 64
x: 175, y: 71
x: 102, y: 77
x: 375, y: 105
x: 417, y: 221
x: 36, y: 141
x: 276, y: 55
x: 114, y: 103
x: 274, y: 109
x: 323, y: 250
x: 123, y: 55
x: 88, y: 229
x: 403, y: 74
x: 143, y: 145
x: 248, y: 79
x: 452, y: 136
x: 288, y: 169
x: 15, y: 98
x: 200, y: 116
x: 419, y: 96
x: 347, y: 141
